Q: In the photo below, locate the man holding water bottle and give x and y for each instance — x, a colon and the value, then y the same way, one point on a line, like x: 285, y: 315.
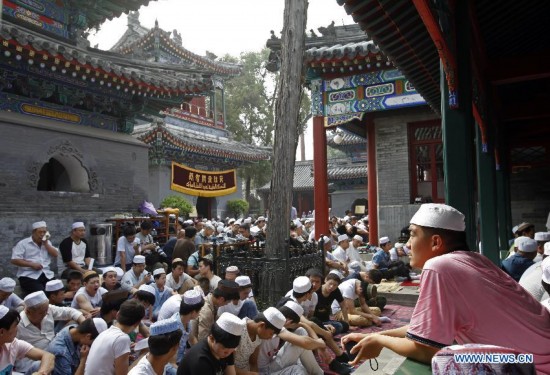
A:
x: 32, y: 258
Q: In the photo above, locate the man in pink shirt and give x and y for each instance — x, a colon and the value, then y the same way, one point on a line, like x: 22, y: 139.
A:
x: 463, y: 297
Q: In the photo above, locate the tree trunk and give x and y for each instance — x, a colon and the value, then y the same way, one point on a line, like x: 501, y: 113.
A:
x: 286, y: 125
x: 247, y: 183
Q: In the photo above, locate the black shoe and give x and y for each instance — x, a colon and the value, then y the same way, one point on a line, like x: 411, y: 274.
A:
x: 343, y: 358
x: 339, y: 368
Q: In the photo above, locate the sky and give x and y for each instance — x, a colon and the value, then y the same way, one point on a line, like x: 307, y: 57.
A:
x: 223, y: 26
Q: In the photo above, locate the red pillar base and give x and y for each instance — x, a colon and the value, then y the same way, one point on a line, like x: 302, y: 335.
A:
x: 320, y: 177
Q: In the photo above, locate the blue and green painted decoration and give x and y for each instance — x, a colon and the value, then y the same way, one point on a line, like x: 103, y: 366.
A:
x: 343, y: 99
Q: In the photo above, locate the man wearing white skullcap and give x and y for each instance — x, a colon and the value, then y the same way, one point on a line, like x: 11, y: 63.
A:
x: 464, y: 298
x: 531, y: 278
x: 75, y: 251
x: 14, y: 349
x: 295, y: 356
x: 262, y: 327
x: 522, y: 259
x: 215, y: 353
x: 32, y: 256
x: 184, y: 309
x: 71, y: 342
x: 340, y: 252
x: 38, y: 321
x: 7, y: 297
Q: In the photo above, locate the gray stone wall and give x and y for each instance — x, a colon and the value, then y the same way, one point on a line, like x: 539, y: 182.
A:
x: 115, y: 165
x: 392, y: 154
x: 392, y: 218
x: 342, y: 200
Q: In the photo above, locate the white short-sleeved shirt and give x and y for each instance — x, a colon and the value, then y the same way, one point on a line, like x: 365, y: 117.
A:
x: 347, y: 288
x: 108, y: 346
x: 353, y: 254
x: 231, y: 308
x: 27, y: 249
x: 123, y: 246
x: 531, y: 281
x: 95, y: 301
x: 130, y: 279
x: 340, y: 254
x: 171, y: 306
x: 171, y: 283
x: 143, y: 367
x: 11, y: 352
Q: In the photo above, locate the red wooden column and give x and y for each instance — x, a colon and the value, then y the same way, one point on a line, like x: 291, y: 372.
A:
x: 320, y: 176
x: 372, y: 182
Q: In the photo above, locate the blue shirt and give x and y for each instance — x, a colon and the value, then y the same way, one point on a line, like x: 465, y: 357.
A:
x: 381, y: 259
x: 516, y: 265
x: 67, y: 354
x: 184, y: 337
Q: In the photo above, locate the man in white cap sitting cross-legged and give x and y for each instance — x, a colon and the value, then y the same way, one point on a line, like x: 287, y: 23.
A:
x: 461, y: 299
x: 37, y: 323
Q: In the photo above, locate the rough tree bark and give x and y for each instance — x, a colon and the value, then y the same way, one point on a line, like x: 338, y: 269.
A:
x: 286, y: 125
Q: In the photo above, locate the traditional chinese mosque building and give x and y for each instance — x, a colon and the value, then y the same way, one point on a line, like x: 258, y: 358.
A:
x: 88, y: 133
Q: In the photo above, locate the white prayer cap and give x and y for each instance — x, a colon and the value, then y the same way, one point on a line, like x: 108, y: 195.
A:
x: 301, y: 284
x: 519, y: 240
x: 220, y: 228
x: 261, y: 218
x: 147, y: 288
x: 100, y: 324
x: 298, y: 223
x: 3, y: 311
x: 294, y: 306
x: 231, y: 221
x: 78, y: 224
x: 337, y: 273
x: 248, y: 220
x: 231, y: 324
x: 54, y: 285
x: 238, y: 221
x: 159, y: 271
x: 189, y: 222
x: 232, y: 269
x: 243, y: 281
x: 36, y: 298
x: 384, y: 240
x: 7, y: 285
x: 163, y: 326
x: 139, y: 259
x: 119, y: 273
x: 275, y: 317
x: 399, y: 245
x: 542, y: 236
x: 192, y: 297
x: 528, y: 245
x: 209, y: 226
x: 39, y: 224
x: 310, y: 220
x: 109, y: 269
x: 343, y: 237
x: 358, y: 238
x: 515, y: 229
x: 436, y: 215
x: 547, y: 248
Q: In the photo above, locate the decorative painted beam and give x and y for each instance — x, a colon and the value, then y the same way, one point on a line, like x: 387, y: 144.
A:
x: 445, y: 54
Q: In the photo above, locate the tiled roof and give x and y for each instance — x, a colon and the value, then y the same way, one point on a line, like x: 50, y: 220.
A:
x: 101, y: 67
x: 138, y: 38
x: 98, y: 11
x: 199, y: 142
x: 338, y: 169
x: 348, y: 51
x: 347, y: 139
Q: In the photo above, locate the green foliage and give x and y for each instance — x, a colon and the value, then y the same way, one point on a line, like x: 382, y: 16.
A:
x: 237, y: 207
x: 175, y: 201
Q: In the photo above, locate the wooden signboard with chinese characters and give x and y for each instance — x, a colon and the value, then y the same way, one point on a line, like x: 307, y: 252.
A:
x: 203, y: 183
